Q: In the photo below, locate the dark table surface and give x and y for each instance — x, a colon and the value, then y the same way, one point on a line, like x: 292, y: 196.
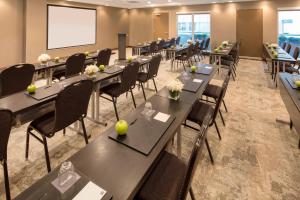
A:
x: 225, y: 51
x: 117, y: 168
x: 283, y: 56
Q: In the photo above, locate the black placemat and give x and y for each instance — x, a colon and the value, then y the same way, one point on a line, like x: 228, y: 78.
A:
x: 143, y: 135
x: 113, y: 69
x: 49, y: 192
x: 45, y: 92
x: 191, y: 86
x: 291, y: 82
x: 204, y: 70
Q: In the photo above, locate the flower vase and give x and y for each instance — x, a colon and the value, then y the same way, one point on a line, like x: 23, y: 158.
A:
x: 174, y: 95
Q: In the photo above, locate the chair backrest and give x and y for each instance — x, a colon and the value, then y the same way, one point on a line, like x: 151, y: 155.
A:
x: 154, y: 66
x: 104, y: 57
x: 223, y: 91
x: 75, y: 64
x: 288, y: 48
x: 153, y: 47
x: 196, y: 47
x: 296, y: 53
x: 193, y: 162
x: 5, y: 127
x: 129, y: 76
x: 72, y: 103
x: 178, y: 40
x: 190, y: 50
x: 207, y: 41
x: 161, y: 45
x: 283, y: 45
x: 172, y: 42
x: 15, y: 78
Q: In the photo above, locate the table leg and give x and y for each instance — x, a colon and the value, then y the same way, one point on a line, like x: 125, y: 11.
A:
x: 179, y: 142
x: 277, y: 71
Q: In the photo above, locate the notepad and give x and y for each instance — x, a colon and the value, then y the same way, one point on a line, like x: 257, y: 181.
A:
x: 91, y: 192
x: 162, y: 117
x: 197, y: 80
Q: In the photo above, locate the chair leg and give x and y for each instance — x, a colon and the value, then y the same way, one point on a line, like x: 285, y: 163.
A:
x: 209, y: 152
x: 192, y: 194
x: 84, y: 132
x: 115, y: 107
x: 46, y: 154
x: 218, y: 130
x: 133, y: 98
x: 222, y: 118
x: 27, y: 144
x: 154, y: 84
x: 143, y: 90
x: 225, y: 105
x: 291, y: 124
x: 64, y: 131
x: 6, y: 180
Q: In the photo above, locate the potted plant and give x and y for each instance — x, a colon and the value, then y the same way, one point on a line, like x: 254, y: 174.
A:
x: 175, y: 87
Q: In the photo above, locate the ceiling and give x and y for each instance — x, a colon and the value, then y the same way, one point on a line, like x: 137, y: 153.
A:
x: 152, y: 3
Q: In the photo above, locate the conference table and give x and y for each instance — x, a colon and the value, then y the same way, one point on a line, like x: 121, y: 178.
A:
x: 120, y: 169
x: 283, y: 58
x: 225, y: 51
x: 21, y: 104
x: 137, y: 49
x: 174, y: 51
x: 290, y: 95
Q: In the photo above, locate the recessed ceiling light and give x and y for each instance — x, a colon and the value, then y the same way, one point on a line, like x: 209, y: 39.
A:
x: 149, y: 2
x: 169, y: 1
x: 213, y: 2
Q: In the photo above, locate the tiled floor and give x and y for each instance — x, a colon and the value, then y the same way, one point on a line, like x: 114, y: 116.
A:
x: 257, y: 158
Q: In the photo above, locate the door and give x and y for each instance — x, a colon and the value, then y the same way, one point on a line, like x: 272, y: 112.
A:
x: 249, y: 31
x: 161, y: 26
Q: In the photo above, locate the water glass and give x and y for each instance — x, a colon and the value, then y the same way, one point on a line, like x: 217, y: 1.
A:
x: 66, y: 174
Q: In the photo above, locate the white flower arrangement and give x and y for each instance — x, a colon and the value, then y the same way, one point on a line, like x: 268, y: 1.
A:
x: 274, y: 45
x: 225, y: 43
x: 159, y: 39
x: 91, y: 70
x: 175, y: 86
x: 43, y: 58
x: 189, y: 41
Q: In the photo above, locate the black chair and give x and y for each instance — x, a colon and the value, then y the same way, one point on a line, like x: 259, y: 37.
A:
x: 196, y: 51
x: 5, y: 128
x: 178, y: 40
x: 151, y: 73
x: 172, y: 42
x: 290, y: 67
x: 104, y: 57
x: 15, y: 78
x: 215, y: 92
x: 171, y: 178
x: 204, y: 50
x: 288, y: 48
x: 74, y: 66
x: 283, y: 45
x: 70, y: 106
x: 199, y: 114
x: 185, y: 58
x: 127, y: 82
x: 160, y: 46
x: 152, y: 49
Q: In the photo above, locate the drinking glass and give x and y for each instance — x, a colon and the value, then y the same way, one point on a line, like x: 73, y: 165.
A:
x: 66, y: 174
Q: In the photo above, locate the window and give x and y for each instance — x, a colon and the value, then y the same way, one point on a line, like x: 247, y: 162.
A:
x: 193, y: 26
x: 288, y: 27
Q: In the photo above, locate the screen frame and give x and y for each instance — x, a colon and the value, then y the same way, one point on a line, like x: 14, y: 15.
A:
x: 76, y: 7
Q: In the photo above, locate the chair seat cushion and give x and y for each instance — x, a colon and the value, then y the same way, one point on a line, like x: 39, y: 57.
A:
x: 165, y: 181
x: 213, y: 91
x: 199, y: 111
x: 44, y: 124
x: 142, y: 76
x: 289, y: 68
x: 114, y: 89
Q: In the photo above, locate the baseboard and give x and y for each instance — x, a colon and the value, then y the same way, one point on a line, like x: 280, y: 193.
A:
x: 251, y: 58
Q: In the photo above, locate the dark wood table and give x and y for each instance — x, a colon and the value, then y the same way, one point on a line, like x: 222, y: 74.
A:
x: 291, y: 99
x: 217, y: 55
x: 117, y: 168
x: 282, y: 58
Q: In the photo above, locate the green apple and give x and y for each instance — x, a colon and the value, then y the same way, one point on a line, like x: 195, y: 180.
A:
x: 56, y: 59
x: 101, y: 68
x: 275, y: 54
x: 121, y: 127
x: 193, y: 68
x: 129, y: 59
x: 297, y: 83
x: 87, y: 53
x: 31, y: 89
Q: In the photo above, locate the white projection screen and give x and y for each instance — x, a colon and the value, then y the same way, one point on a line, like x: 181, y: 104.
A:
x: 71, y: 26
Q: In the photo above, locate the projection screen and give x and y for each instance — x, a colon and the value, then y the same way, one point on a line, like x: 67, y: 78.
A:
x: 71, y: 26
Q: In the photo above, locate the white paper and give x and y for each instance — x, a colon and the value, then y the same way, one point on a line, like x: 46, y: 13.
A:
x: 162, y: 117
x: 208, y: 67
x: 144, y: 59
x: 91, y: 192
x: 197, y: 80
x: 122, y: 66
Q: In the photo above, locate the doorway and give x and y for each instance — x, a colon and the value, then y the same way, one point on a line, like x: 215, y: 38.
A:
x: 161, y: 26
x: 249, y: 32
